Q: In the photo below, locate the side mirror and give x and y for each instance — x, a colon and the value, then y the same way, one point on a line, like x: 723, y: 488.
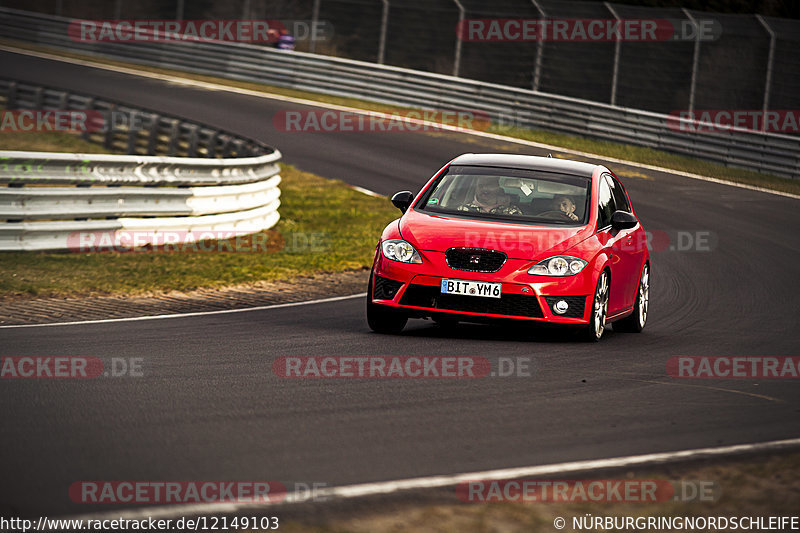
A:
x: 402, y: 200
x: 623, y: 220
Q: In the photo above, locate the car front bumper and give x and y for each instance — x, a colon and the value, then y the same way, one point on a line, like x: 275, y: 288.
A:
x: 417, y: 289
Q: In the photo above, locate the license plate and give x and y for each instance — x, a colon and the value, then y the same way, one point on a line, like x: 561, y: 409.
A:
x: 471, y: 288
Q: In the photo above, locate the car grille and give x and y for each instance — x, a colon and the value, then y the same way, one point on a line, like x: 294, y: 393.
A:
x: 385, y: 288
x: 576, y: 305
x: 475, y: 259
x: 507, y: 304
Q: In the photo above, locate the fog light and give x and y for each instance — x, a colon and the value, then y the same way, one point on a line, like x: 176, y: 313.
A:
x: 561, y: 307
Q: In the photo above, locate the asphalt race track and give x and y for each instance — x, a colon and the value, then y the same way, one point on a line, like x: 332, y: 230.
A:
x: 210, y: 408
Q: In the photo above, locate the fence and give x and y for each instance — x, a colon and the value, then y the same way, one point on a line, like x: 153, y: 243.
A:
x: 748, y: 61
x: 759, y: 151
x: 52, y: 199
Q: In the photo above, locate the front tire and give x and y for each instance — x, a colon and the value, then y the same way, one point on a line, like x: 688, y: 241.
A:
x: 382, y: 320
x: 636, y: 321
x: 597, y: 324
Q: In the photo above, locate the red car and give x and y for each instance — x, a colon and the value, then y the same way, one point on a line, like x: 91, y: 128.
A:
x: 499, y: 236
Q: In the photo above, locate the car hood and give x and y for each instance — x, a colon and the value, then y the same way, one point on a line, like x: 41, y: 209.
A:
x: 435, y: 232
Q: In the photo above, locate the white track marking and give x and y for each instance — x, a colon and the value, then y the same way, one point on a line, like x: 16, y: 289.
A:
x: 367, y: 191
x: 182, y: 315
x: 301, y: 101
x: 433, y: 482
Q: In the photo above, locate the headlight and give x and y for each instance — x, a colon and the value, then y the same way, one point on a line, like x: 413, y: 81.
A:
x: 559, y: 265
x: 400, y: 250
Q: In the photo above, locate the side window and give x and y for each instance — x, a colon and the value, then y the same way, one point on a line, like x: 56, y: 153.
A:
x: 606, y: 205
x: 620, y: 200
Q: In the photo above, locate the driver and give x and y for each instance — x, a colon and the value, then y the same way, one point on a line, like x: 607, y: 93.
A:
x: 567, y: 207
x: 489, y: 197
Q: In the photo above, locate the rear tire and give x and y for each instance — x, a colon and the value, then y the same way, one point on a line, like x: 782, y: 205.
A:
x: 636, y: 321
x: 597, y: 324
x: 382, y: 320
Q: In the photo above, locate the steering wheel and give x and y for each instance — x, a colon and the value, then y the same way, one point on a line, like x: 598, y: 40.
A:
x: 548, y: 214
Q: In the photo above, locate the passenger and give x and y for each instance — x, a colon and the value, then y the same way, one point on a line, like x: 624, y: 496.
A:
x: 489, y: 197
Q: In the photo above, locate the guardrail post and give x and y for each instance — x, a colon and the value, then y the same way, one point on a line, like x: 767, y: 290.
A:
x: 174, y: 133
x: 211, y: 151
x: 237, y: 147
x: 537, y: 66
x: 11, y: 97
x: 770, y: 60
x: 457, y: 60
x: 38, y: 97
x: 312, y: 46
x: 695, y: 59
x: 62, y: 100
x: 191, y: 151
x: 179, y: 10
x: 87, y: 106
x: 225, y: 149
x: 384, y: 29
x: 133, y: 133
x: 117, y: 9
x: 108, y: 138
x: 152, y: 136
x: 617, y: 47
x: 246, y: 10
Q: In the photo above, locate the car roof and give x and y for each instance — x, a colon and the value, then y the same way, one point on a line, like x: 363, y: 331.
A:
x: 528, y: 162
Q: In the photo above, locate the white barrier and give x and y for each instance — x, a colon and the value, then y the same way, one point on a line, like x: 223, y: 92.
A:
x: 188, y: 195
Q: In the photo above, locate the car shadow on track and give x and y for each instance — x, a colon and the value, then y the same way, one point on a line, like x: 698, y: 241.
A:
x: 500, y: 331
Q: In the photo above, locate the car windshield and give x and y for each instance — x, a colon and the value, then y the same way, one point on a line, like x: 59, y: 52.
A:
x: 514, y: 195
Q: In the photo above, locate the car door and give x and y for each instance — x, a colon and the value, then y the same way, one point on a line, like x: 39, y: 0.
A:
x: 617, y: 244
x: 627, y: 249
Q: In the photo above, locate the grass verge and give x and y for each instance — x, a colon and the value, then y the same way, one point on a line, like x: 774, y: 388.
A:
x: 47, y: 142
x: 600, y: 148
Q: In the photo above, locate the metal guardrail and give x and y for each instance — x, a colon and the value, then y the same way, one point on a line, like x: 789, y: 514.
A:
x: 759, y: 151
x: 52, y: 200
x: 132, y: 232
x: 33, y: 168
x: 27, y: 203
x: 122, y: 128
